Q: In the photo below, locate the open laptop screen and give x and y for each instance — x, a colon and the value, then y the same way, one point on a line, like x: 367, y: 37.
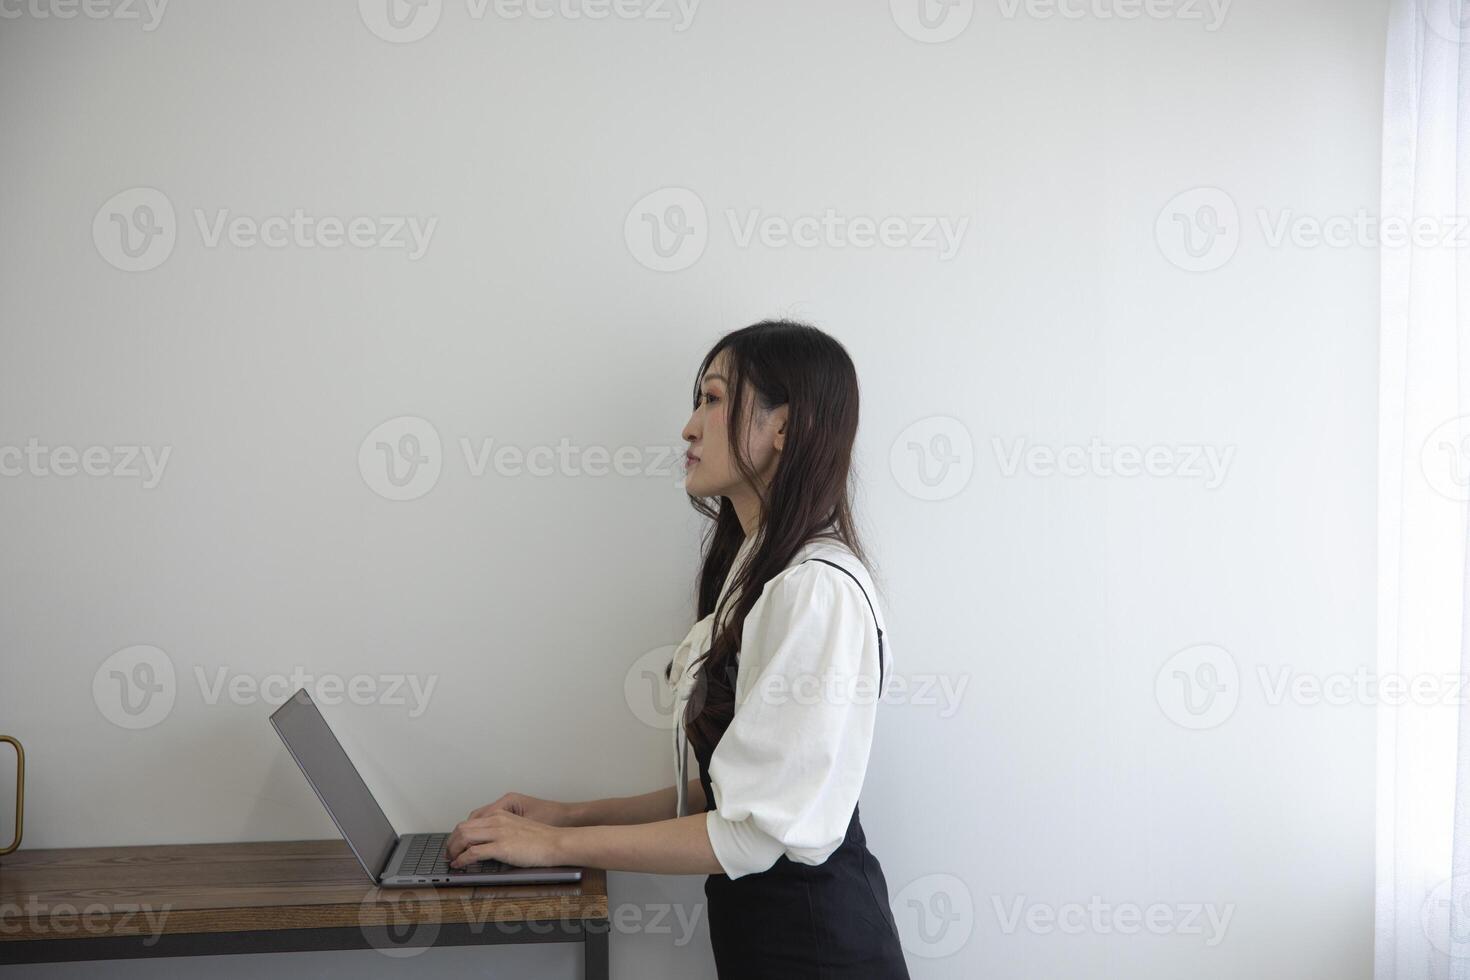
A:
x: 335, y: 779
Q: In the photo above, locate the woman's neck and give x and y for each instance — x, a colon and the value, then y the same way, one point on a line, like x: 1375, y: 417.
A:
x: 748, y: 511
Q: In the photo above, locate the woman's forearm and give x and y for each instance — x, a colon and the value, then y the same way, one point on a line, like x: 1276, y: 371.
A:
x: 671, y: 847
x: 623, y: 810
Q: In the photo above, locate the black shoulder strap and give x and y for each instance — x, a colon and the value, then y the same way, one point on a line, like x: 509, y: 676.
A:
x: 870, y: 609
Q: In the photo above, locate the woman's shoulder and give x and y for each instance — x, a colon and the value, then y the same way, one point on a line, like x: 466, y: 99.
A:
x: 824, y: 579
x: 829, y: 551
x: 815, y: 561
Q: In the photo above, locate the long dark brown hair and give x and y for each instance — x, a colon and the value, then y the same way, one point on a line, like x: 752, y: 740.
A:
x: 784, y: 363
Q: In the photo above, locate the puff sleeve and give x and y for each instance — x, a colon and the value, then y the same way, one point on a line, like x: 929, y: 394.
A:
x: 788, y: 770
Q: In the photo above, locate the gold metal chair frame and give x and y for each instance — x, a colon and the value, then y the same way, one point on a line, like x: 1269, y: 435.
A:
x: 20, y: 792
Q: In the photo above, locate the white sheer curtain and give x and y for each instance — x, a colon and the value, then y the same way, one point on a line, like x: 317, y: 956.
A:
x: 1422, y: 914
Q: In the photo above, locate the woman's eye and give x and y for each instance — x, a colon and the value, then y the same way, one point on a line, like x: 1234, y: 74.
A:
x: 709, y: 398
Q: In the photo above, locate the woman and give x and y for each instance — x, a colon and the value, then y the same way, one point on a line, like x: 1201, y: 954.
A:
x: 778, y: 704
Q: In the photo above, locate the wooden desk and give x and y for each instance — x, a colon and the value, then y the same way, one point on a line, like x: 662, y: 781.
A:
x: 102, y: 903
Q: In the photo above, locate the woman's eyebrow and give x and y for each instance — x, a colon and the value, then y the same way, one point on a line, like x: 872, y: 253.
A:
x: 716, y: 377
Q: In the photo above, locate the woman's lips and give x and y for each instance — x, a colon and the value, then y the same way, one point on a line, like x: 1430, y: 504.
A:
x: 690, y: 459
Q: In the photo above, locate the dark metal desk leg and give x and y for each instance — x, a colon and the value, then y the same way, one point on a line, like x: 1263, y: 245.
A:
x: 594, y: 949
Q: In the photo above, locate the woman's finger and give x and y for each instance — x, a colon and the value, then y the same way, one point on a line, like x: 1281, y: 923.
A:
x: 479, y: 852
x: 489, y: 808
x: 476, y: 831
x: 468, y: 839
x: 458, y: 838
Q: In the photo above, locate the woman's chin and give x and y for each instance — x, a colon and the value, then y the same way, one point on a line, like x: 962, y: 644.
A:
x: 696, y: 487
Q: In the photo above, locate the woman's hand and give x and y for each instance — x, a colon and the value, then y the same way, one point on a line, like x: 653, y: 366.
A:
x: 549, y: 812
x: 504, y: 836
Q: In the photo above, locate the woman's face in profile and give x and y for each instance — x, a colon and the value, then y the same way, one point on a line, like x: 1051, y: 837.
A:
x: 709, y: 464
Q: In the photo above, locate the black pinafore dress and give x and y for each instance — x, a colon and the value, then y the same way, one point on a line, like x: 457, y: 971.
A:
x: 796, y: 921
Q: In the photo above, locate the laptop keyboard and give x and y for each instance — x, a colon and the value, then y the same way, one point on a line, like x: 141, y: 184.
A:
x: 426, y: 856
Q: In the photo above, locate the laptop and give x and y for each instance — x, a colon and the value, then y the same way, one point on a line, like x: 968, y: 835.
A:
x: 410, y: 861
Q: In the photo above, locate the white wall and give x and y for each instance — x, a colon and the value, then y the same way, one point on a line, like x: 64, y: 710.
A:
x: 1062, y: 774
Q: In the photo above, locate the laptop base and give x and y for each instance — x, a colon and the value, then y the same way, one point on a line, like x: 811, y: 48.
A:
x: 418, y: 862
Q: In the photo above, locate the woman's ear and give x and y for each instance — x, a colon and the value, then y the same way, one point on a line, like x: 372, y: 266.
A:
x: 779, y: 418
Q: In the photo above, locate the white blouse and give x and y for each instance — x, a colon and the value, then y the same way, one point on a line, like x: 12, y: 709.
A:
x: 787, y: 772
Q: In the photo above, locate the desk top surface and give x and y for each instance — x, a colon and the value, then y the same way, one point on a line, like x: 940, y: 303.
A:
x: 70, y: 893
